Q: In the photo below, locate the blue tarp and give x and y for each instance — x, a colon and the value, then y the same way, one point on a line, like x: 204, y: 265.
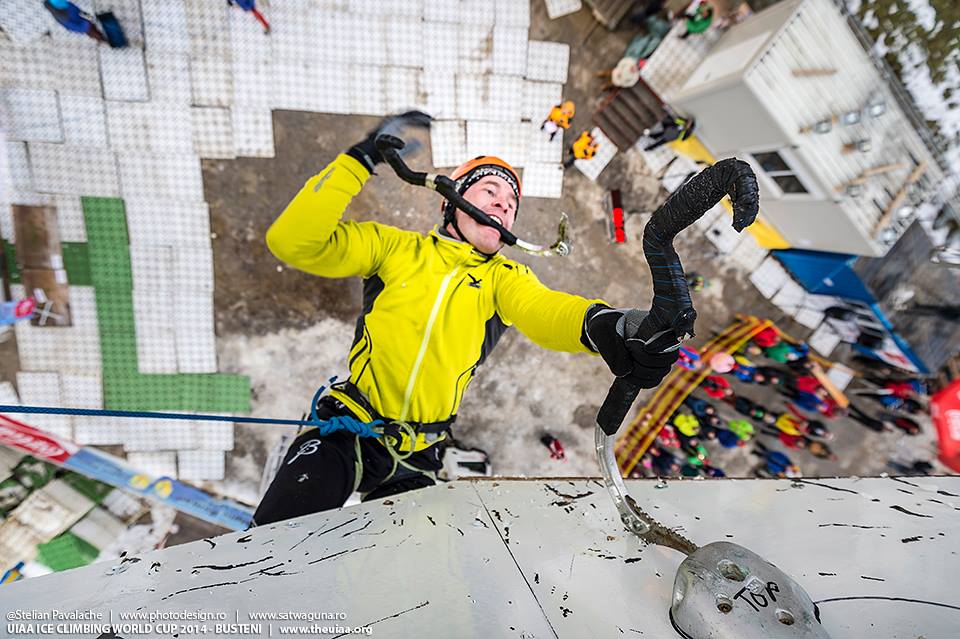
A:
x: 833, y: 274
x: 826, y: 273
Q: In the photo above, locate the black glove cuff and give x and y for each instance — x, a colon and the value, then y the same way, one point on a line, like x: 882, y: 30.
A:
x: 584, y: 337
x: 366, y: 153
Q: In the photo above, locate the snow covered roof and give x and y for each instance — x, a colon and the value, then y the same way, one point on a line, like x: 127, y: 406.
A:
x: 798, y: 77
x: 817, y: 37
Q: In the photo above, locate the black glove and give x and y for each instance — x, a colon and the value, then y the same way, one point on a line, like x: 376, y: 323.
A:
x: 366, y: 151
x: 603, y: 333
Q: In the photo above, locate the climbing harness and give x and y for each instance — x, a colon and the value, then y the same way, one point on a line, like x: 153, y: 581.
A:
x: 394, y: 435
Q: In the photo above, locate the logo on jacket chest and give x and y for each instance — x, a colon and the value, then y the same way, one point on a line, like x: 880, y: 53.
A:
x: 474, y: 282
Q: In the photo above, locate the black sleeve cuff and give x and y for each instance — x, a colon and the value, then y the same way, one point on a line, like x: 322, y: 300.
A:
x: 365, y: 153
x: 592, y: 310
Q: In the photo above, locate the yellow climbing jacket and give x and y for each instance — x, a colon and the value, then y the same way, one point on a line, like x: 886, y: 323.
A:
x: 433, y: 306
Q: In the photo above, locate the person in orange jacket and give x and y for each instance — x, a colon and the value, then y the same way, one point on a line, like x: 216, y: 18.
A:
x: 584, y: 148
x: 559, y: 118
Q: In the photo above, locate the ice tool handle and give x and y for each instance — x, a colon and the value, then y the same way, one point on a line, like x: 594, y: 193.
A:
x: 390, y: 147
x: 671, y: 316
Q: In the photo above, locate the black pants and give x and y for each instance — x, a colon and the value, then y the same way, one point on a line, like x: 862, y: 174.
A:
x: 790, y: 392
x: 870, y: 422
x: 669, y: 135
x: 319, y: 473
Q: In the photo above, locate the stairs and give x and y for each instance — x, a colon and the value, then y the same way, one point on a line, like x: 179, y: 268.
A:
x: 624, y: 114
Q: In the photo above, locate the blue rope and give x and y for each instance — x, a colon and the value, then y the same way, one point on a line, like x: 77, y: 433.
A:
x: 326, y: 427
x: 93, y: 412
x: 340, y: 422
x: 351, y: 424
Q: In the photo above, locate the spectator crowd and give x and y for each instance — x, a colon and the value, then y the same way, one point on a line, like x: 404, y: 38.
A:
x: 719, y: 415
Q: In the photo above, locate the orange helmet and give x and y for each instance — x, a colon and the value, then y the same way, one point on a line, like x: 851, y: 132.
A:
x: 470, y: 171
x: 568, y: 109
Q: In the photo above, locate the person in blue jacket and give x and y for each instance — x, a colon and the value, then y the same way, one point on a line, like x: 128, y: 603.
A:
x: 72, y: 18
x: 701, y: 408
x: 250, y: 6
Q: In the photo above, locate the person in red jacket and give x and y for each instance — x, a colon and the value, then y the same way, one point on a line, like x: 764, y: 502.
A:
x: 807, y: 383
x: 793, y: 442
x: 907, y: 425
x: 668, y: 436
x: 554, y: 446
x: 904, y: 389
x: 811, y: 427
x: 717, y: 387
x: 767, y: 337
x: 831, y: 409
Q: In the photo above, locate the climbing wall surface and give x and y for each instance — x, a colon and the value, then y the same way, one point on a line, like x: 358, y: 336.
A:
x: 533, y: 558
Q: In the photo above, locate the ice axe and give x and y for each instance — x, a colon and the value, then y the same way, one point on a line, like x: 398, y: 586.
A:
x: 391, y: 148
x: 719, y: 587
x: 671, y: 317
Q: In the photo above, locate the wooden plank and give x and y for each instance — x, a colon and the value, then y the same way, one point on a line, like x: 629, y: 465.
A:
x: 899, y: 197
x: 810, y: 73
x: 828, y: 384
x: 40, y: 259
x: 868, y: 173
x: 609, y: 13
x: 38, y: 237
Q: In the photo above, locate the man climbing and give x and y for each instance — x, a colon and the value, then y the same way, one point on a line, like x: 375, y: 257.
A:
x: 434, y: 307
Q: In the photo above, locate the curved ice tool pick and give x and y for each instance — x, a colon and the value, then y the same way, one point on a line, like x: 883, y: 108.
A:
x: 722, y: 590
x: 390, y: 148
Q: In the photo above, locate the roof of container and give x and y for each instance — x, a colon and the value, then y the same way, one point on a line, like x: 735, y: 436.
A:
x: 816, y: 36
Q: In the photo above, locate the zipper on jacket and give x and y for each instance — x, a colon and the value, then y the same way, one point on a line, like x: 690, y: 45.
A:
x: 423, y: 344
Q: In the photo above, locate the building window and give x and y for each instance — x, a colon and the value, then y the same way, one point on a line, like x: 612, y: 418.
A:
x: 779, y: 171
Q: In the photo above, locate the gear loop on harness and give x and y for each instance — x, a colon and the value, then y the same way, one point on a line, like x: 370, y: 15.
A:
x: 341, y: 422
x: 350, y: 424
x: 390, y: 432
